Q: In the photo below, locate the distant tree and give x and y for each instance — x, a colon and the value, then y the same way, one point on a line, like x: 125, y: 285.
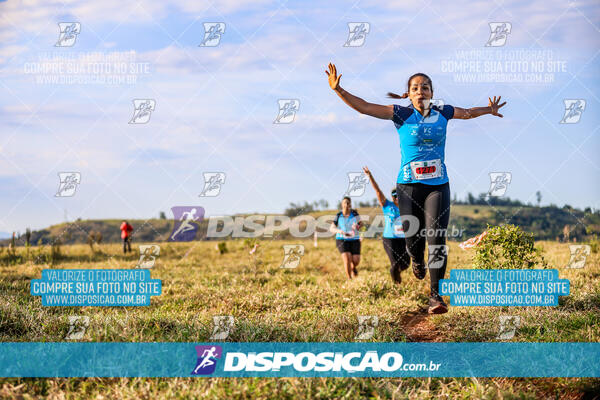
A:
x: 470, y: 198
x: 162, y: 215
x: 372, y: 203
x: 27, y: 237
x: 538, y: 196
x: 12, y: 247
x: 55, y: 253
x: 27, y: 240
x: 516, y: 202
x: 298, y: 209
x: 484, y: 198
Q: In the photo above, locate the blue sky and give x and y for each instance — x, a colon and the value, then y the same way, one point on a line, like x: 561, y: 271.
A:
x: 215, y: 106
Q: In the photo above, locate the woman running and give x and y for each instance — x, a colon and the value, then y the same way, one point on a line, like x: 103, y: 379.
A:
x: 422, y: 185
x: 393, y: 235
x: 345, y: 226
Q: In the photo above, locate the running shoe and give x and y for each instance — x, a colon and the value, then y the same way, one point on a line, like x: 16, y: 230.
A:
x: 437, y: 305
x: 419, y: 269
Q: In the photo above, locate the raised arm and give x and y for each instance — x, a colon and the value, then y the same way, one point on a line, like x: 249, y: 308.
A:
x: 468, y: 113
x: 363, y: 107
x: 380, y: 196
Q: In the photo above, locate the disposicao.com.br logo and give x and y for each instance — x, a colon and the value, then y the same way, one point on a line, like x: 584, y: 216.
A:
x: 290, y: 363
x: 207, y: 359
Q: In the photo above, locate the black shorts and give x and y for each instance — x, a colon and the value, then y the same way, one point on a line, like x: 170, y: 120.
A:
x: 348, y: 246
x: 396, y: 251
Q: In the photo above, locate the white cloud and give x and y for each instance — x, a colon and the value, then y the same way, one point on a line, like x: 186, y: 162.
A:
x: 7, y: 52
x: 223, y: 6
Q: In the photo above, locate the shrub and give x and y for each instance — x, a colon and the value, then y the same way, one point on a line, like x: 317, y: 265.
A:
x: 27, y: 241
x: 594, y: 244
x: 507, y: 247
x: 55, y: 253
x: 250, y: 242
x: 38, y: 253
x: 94, y: 237
x: 222, y: 247
x: 252, y: 245
x: 12, y: 248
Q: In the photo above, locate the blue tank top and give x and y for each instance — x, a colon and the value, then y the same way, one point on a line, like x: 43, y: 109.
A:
x: 422, y: 144
x: 345, y: 224
x: 393, y: 222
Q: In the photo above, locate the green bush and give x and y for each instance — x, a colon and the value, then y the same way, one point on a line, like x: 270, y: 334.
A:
x: 250, y: 242
x: 594, y: 244
x: 55, y: 252
x: 507, y: 247
x: 38, y: 253
x: 222, y: 247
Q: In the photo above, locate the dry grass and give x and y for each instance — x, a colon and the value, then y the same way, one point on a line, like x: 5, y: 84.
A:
x: 314, y: 302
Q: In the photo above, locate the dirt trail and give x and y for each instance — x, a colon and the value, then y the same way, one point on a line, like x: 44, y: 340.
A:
x: 418, y: 327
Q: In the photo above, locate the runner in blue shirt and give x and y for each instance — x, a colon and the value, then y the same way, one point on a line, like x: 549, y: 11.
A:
x: 393, y: 234
x: 345, y: 226
x: 422, y: 185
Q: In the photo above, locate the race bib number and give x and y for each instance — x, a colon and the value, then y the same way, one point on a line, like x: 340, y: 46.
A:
x: 426, y: 169
x: 398, y: 230
x: 397, y: 224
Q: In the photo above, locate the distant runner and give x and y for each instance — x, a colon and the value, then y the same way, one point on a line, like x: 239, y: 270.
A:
x: 346, y: 225
x: 126, y: 230
x: 394, y: 243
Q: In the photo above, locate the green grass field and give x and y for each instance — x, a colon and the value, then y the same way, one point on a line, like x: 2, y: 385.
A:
x: 314, y: 302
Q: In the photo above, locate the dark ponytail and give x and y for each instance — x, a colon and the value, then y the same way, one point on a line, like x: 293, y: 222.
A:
x: 397, y: 96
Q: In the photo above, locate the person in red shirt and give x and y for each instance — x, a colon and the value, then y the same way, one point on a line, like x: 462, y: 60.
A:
x: 126, y: 230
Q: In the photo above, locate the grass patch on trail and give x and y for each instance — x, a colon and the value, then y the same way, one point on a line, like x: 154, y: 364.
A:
x: 314, y: 302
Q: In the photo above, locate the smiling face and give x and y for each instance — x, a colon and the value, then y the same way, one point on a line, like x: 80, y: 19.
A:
x: 420, y: 92
x: 346, y: 205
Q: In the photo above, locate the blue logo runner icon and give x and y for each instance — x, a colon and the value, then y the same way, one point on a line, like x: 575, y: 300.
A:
x: 185, y: 223
x: 207, y: 359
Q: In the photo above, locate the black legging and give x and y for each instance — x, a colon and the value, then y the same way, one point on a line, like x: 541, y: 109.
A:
x: 430, y: 205
x: 126, y: 244
x: 399, y: 258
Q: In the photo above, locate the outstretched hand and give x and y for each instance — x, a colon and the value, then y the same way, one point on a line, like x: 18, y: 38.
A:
x: 367, y: 171
x: 494, y: 105
x: 334, y: 79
